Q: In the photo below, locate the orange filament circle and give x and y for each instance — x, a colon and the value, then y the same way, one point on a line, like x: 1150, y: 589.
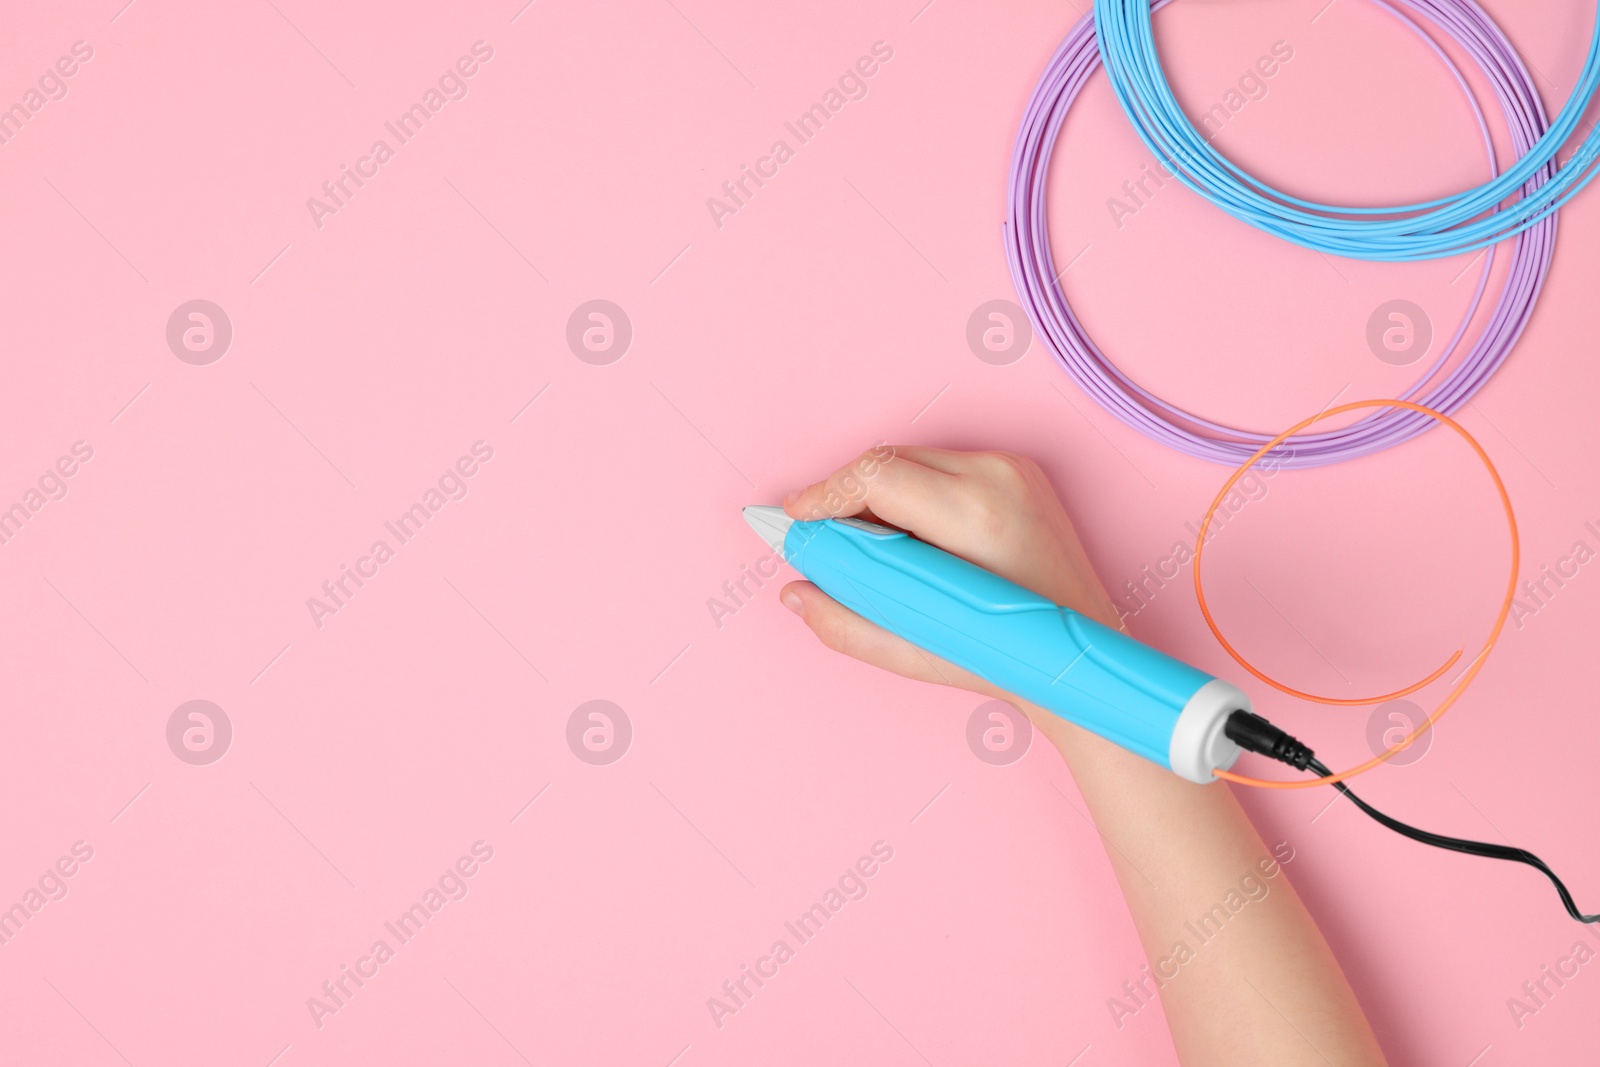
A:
x: 1466, y: 678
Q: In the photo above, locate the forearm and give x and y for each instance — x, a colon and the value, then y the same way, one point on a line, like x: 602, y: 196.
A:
x: 1244, y: 975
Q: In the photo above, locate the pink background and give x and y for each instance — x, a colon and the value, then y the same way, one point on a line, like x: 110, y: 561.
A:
x: 829, y: 312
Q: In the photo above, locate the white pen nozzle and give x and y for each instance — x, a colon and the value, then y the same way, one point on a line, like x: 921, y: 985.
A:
x: 771, y: 523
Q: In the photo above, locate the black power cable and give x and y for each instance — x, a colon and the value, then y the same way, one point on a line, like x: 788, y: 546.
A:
x: 1254, y: 734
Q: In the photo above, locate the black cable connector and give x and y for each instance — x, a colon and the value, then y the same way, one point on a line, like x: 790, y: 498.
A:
x: 1254, y: 734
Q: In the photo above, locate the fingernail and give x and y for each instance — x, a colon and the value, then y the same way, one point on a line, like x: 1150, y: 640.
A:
x: 791, y: 600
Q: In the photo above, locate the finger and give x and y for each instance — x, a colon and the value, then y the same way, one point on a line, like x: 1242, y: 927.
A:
x: 902, y: 492
x: 842, y: 630
x: 844, y: 492
x: 941, y: 459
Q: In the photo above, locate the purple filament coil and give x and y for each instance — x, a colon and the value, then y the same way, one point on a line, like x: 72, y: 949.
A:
x: 1034, y: 271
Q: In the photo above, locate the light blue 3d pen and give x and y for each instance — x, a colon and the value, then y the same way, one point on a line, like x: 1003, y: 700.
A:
x: 1089, y: 674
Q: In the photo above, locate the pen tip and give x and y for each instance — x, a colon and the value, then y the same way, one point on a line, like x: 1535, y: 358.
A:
x: 771, y: 523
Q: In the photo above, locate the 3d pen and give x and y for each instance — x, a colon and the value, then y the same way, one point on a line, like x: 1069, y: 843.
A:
x: 1049, y: 655
x: 1105, y: 681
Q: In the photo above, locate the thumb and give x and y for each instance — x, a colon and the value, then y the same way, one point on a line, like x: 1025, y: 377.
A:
x: 842, y: 630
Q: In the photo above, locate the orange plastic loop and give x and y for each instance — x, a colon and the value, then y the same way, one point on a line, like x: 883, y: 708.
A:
x: 1461, y: 684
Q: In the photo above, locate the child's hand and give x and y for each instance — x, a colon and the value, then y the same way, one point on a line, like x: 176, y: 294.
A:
x: 1235, y: 1003
x: 995, y: 509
